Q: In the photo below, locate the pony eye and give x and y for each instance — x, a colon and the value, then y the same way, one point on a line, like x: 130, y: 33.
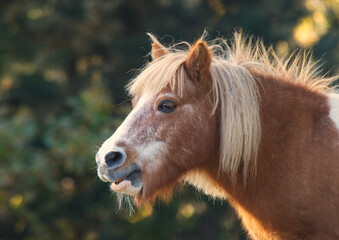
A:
x: 166, y: 106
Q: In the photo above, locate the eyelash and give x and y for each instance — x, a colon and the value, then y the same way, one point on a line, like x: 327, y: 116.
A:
x: 166, y: 106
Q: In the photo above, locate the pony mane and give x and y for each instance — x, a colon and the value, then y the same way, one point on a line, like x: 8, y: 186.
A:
x: 234, y: 89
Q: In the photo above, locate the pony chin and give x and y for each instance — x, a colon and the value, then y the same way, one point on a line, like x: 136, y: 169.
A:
x: 148, y: 198
x: 158, y: 186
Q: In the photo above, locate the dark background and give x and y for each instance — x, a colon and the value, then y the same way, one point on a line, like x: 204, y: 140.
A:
x: 63, y: 67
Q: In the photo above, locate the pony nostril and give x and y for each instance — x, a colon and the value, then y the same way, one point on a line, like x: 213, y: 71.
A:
x: 114, y: 159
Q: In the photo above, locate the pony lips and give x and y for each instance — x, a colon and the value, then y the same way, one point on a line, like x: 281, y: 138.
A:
x: 125, y: 187
x: 130, y: 184
x: 119, y: 180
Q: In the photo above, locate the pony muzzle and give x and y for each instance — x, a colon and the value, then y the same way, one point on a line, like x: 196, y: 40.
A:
x: 124, y: 179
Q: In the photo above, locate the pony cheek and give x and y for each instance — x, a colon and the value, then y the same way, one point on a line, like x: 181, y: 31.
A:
x: 162, y: 167
x: 159, y: 182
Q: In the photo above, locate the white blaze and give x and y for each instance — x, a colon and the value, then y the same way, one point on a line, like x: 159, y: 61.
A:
x: 122, y: 130
x: 149, y: 153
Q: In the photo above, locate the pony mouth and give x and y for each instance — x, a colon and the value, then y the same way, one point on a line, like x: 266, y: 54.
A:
x: 131, y: 176
x: 130, y: 184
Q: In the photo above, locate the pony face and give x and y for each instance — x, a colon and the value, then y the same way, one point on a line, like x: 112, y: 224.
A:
x: 164, y: 137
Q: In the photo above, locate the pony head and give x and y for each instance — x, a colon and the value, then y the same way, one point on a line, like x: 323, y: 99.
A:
x: 186, y: 104
x: 166, y: 133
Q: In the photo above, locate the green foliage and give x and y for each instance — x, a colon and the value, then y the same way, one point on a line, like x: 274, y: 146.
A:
x: 63, y: 65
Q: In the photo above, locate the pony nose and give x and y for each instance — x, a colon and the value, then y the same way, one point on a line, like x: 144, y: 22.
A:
x: 115, y: 159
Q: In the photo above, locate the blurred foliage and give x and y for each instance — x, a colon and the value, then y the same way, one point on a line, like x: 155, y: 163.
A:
x: 63, y: 65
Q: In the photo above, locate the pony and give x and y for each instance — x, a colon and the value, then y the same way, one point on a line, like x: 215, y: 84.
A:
x: 238, y: 122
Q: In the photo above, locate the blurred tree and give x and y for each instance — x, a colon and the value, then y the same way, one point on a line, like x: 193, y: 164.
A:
x: 63, y: 65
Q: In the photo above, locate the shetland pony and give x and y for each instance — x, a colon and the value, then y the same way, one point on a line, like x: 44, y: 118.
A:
x: 239, y: 123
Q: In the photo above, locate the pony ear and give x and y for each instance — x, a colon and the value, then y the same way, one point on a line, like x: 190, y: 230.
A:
x: 198, y: 61
x: 158, y: 50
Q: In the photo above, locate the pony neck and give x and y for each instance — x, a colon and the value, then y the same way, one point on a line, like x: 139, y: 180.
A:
x: 292, y: 119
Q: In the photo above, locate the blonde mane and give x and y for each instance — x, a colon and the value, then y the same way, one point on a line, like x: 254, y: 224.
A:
x: 234, y: 89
